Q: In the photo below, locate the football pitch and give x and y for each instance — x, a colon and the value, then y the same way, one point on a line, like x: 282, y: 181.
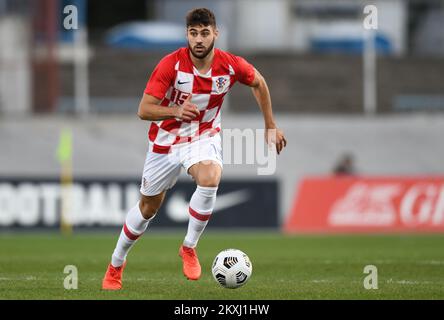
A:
x: 284, y: 267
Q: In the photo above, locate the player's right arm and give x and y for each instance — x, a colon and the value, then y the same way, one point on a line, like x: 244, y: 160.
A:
x: 149, y: 109
x: 160, y: 81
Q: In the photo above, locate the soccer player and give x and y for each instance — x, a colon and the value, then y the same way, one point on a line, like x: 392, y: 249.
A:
x: 183, y: 99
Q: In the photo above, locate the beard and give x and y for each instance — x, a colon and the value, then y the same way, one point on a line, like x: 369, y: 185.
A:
x: 202, y: 54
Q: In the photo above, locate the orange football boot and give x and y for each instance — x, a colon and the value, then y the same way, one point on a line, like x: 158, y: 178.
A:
x: 191, y: 266
x: 113, y: 277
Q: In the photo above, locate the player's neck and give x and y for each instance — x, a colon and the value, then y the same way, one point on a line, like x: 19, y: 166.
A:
x: 203, y: 65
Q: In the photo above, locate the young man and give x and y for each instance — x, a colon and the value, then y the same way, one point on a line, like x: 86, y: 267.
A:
x: 183, y: 98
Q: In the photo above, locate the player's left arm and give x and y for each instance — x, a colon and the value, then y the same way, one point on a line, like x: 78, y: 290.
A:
x: 273, y: 134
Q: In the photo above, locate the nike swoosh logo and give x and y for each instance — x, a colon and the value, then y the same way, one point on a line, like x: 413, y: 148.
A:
x: 180, y: 82
x: 177, y: 206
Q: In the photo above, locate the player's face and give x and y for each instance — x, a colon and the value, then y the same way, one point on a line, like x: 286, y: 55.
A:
x: 201, y: 40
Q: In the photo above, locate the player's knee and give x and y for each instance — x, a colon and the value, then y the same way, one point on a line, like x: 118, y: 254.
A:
x: 148, y: 208
x: 211, y: 179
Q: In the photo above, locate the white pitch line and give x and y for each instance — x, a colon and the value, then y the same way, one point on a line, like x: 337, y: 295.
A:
x: 410, y: 282
x: 432, y: 262
x: 321, y: 281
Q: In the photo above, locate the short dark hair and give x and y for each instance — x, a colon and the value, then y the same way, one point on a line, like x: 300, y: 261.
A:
x: 201, y: 16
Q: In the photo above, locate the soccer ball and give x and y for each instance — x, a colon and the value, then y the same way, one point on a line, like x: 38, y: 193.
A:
x: 232, y: 268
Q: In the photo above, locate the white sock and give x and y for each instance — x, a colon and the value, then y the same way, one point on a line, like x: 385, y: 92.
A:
x: 135, y: 225
x: 201, y: 206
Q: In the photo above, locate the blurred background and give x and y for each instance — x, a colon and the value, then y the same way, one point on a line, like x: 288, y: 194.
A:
x: 362, y: 110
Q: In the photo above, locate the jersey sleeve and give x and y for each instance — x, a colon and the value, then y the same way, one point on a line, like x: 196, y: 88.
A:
x: 161, y: 78
x: 244, y: 71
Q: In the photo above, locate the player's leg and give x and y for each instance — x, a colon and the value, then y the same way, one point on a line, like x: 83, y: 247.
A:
x: 207, y: 177
x: 160, y: 173
x: 204, y: 164
x: 136, y: 222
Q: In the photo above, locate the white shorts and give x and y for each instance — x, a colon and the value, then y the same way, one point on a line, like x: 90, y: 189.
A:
x: 161, y: 171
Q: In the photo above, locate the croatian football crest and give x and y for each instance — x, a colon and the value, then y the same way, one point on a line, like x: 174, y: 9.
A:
x: 221, y: 84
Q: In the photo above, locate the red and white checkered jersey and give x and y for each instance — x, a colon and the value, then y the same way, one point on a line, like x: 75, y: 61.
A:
x: 175, y: 78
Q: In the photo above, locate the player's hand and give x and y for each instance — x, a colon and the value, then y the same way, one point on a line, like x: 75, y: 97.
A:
x: 275, y: 136
x: 188, y: 111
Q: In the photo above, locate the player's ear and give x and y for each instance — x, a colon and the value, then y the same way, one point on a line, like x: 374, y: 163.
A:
x: 216, y: 33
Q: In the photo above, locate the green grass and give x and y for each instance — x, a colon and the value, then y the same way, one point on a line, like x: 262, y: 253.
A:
x: 284, y: 267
